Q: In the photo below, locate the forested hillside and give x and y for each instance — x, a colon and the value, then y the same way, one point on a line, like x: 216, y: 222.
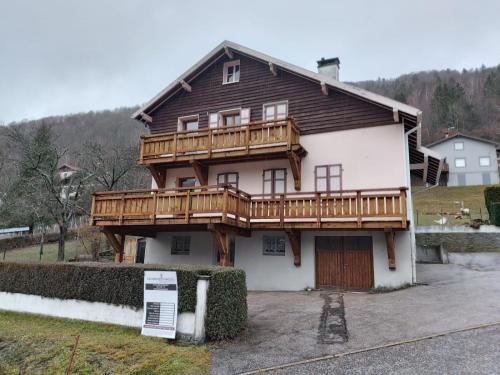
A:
x: 468, y: 101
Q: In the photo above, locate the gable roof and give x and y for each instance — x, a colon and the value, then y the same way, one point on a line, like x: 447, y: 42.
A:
x: 461, y: 135
x: 319, y: 78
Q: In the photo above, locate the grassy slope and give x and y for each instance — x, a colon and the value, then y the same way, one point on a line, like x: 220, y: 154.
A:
x: 32, y: 344
x: 49, y: 252
x: 429, y: 203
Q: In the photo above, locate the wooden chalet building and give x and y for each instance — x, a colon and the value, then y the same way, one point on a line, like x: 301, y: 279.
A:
x: 291, y: 175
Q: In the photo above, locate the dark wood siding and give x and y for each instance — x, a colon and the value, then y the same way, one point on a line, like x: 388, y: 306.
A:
x: 313, y: 111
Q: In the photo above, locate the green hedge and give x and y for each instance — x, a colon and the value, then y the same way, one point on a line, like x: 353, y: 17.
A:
x: 124, y: 285
x: 226, y: 304
x: 10, y: 243
x: 492, y: 201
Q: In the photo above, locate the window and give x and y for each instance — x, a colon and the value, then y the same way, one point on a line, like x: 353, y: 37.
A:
x: 275, y: 111
x: 460, y: 162
x: 180, y: 245
x: 186, y: 182
x: 188, y: 123
x: 140, y: 250
x: 231, y: 119
x: 484, y: 161
x: 328, y: 177
x: 273, y: 245
x: 459, y: 146
x: 230, y: 178
x: 231, y: 72
x: 274, y: 181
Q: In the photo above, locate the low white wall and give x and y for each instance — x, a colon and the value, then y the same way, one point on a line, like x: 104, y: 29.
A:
x: 189, y: 325
x: 266, y: 272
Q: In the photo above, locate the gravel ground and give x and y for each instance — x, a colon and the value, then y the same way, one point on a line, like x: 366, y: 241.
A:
x: 471, y: 352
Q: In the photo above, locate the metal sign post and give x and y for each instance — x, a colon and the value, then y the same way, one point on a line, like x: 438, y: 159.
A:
x: 160, y: 304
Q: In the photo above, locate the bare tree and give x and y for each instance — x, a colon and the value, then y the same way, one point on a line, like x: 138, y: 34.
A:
x: 40, y: 186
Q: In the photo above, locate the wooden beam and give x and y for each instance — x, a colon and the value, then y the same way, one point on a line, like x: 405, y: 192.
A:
x: 221, y: 240
x: 295, y: 166
x: 117, y: 245
x: 146, y: 117
x: 294, y: 238
x: 201, y: 172
x: 273, y: 69
x: 160, y: 176
x: 391, y: 247
x: 395, y: 115
x: 186, y: 86
x: 228, y: 52
x: 324, y: 88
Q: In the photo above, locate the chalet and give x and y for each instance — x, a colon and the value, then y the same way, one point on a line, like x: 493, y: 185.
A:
x: 297, y: 178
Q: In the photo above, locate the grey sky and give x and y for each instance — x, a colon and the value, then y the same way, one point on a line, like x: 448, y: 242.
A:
x: 64, y: 56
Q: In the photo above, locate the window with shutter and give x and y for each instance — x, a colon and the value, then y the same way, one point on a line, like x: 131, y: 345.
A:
x: 245, y: 116
x: 275, y: 111
x: 213, y: 120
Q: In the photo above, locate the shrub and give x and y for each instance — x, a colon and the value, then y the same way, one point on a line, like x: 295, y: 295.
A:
x: 124, y: 285
x: 492, y: 201
x: 227, y: 304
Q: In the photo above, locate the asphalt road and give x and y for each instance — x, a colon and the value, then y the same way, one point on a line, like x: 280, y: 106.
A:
x: 471, y: 352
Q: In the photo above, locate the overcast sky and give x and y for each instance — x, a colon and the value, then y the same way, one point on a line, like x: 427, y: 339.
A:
x: 65, y: 56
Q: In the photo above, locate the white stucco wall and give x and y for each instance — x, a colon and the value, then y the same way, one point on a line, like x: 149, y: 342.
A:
x: 265, y: 272
x: 370, y: 157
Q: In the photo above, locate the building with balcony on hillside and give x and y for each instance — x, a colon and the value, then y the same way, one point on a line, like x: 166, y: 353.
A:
x: 297, y: 178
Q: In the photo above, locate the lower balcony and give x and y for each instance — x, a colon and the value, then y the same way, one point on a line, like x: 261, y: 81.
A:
x: 142, y: 211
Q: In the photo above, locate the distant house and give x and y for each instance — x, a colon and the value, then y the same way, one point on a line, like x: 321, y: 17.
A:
x: 471, y: 160
x: 65, y: 172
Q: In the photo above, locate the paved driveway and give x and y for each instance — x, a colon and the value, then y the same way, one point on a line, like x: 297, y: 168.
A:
x: 286, y: 327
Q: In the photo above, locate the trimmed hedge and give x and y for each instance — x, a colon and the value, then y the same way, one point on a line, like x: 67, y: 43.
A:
x: 226, y: 304
x: 492, y: 201
x: 124, y: 285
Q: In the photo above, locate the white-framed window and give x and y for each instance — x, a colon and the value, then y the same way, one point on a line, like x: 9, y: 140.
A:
x: 460, y: 162
x: 484, y: 161
x: 274, y: 181
x: 275, y: 111
x: 273, y: 245
x: 231, y: 72
x: 328, y: 177
x: 228, y: 178
x: 229, y: 117
x: 459, y: 146
x: 180, y: 245
x: 188, y: 123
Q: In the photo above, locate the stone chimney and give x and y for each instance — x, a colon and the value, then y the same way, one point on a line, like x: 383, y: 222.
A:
x: 329, y: 67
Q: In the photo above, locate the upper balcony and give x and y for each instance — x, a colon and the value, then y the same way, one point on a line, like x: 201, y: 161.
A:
x: 257, y: 140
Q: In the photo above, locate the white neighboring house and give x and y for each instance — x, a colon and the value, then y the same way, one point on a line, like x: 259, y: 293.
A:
x: 65, y: 172
x: 297, y: 178
x: 471, y: 160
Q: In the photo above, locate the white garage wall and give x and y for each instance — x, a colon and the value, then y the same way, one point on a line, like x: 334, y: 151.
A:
x: 266, y: 272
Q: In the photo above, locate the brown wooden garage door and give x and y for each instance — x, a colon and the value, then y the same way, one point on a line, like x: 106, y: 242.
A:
x: 344, y: 262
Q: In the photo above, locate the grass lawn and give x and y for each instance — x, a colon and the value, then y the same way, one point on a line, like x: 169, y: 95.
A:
x: 427, y: 204
x: 32, y: 344
x: 33, y: 252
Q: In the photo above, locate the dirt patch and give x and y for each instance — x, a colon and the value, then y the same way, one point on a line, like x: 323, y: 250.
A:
x: 332, y: 327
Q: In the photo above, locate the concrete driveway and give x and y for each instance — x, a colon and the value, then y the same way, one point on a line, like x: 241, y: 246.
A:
x: 286, y: 327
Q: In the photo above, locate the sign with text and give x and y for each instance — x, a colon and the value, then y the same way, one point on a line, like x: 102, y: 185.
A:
x: 160, y: 304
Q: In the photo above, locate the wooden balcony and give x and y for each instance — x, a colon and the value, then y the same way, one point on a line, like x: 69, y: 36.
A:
x: 183, y: 209
x: 266, y: 139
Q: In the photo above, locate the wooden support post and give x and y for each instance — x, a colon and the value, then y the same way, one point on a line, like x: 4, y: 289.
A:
x: 391, y: 247
x: 117, y: 245
x: 160, y: 176
x: 282, y: 210
x: 221, y: 240
x: 359, y: 206
x: 295, y: 166
x: 201, y: 172
x: 294, y: 239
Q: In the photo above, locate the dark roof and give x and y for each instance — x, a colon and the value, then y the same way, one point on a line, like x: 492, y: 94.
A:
x: 458, y: 135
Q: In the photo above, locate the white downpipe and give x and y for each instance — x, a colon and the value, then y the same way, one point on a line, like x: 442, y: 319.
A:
x: 201, y: 308
x: 413, y: 244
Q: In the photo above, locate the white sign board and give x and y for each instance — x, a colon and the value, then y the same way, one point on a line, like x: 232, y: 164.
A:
x: 160, y: 304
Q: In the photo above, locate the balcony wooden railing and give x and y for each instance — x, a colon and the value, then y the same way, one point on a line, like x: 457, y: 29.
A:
x: 352, y: 209
x: 257, y: 138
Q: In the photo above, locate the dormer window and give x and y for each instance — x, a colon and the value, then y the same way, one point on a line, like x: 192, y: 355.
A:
x: 231, y: 72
